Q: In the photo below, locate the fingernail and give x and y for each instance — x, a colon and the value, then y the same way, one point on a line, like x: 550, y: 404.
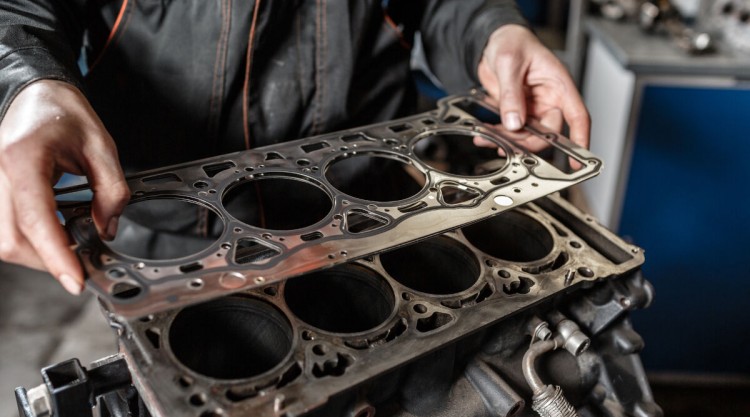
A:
x: 112, y: 228
x: 70, y: 284
x: 512, y: 121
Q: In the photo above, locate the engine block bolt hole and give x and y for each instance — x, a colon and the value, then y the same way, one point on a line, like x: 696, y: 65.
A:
x: 586, y: 272
x: 320, y: 350
x: 439, y: 265
x: 116, y: 273
x: 420, y: 308
x: 271, y: 291
x: 184, y: 381
x: 198, y: 400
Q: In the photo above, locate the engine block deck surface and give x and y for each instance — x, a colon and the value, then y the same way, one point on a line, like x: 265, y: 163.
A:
x: 288, y: 347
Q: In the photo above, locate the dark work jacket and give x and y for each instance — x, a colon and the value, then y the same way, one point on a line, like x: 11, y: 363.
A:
x: 176, y: 80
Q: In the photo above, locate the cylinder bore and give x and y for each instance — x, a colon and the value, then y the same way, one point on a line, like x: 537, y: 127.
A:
x: 277, y: 203
x: 230, y: 338
x: 436, y: 266
x: 455, y: 153
x: 165, y: 228
x: 375, y: 178
x: 512, y: 236
x: 344, y: 299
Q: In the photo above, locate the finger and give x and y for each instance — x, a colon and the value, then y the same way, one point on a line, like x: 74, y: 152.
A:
x: 487, y: 78
x: 14, y: 247
x: 483, y: 143
x: 486, y: 143
x: 512, y: 96
x: 534, y: 144
x: 111, y: 193
x: 552, y: 119
x: 34, y: 210
x: 577, y: 117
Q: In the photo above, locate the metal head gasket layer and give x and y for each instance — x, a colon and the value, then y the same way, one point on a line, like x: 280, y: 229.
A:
x: 280, y: 211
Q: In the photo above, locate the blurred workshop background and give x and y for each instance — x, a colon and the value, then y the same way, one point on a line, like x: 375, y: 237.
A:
x: 670, y: 107
x: 669, y: 96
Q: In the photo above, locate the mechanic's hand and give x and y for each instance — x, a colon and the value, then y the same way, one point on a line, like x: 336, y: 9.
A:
x: 527, y: 79
x: 49, y: 129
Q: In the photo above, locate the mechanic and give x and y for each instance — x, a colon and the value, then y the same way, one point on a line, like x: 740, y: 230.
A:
x: 174, y: 81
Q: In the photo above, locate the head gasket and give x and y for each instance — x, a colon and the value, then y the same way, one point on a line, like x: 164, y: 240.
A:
x: 280, y: 211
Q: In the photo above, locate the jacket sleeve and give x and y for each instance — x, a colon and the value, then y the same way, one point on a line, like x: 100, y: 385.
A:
x: 39, y: 39
x: 455, y: 32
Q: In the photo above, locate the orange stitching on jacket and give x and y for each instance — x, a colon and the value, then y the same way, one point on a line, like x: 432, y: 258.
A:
x: 112, y: 32
x: 399, y: 33
x: 248, y: 69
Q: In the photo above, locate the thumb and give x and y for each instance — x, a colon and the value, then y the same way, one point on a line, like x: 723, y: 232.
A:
x: 111, y: 193
x: 511, y: 95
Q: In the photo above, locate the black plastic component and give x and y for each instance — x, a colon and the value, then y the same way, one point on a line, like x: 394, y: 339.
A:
x: 73, y: 390
x: 68, y: 386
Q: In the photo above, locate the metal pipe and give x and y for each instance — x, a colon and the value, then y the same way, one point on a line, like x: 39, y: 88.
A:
x: 548, y: 400
x: 529, y: 358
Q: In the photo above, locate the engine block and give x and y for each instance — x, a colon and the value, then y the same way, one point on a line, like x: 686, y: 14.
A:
x: 395, y: 268
x: 288, y: 347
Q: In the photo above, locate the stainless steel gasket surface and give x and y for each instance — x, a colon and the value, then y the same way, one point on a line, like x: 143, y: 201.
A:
x: 281, y: 211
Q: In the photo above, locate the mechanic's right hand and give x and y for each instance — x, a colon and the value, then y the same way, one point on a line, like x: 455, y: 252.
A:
x: 49, y: 129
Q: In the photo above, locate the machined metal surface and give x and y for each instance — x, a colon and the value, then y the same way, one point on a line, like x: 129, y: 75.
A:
x: 287, y: 348
x: 289, y: 209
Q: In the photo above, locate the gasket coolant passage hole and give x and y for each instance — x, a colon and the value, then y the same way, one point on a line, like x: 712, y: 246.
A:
x: 375, y: 178
x: 230, y: 338
x: 165, y: 228
x: 277, y: 203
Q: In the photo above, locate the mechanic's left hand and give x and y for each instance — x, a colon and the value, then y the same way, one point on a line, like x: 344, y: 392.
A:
x: 527, y: 79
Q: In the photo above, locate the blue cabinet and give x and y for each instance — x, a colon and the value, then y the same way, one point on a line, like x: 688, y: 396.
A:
x: 687, y: 203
